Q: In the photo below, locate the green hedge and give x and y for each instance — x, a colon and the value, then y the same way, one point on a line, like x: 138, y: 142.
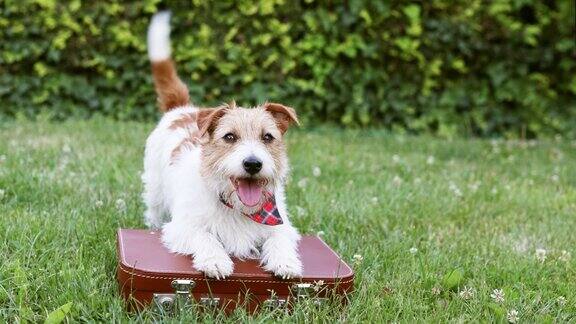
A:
x: 448, y: 67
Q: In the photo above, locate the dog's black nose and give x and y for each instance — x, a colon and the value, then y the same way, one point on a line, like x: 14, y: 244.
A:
x: 252, y: 165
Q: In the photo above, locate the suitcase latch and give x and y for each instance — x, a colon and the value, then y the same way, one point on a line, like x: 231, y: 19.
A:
x: 164, y: 302
x: 183, y: 287
x: 181, y: 296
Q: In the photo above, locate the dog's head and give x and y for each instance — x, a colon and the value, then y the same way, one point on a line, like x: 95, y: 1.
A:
x: 243, y: 151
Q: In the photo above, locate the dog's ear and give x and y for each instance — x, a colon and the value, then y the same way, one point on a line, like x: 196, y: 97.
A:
x: 284, y: 116
x: 208, y: 118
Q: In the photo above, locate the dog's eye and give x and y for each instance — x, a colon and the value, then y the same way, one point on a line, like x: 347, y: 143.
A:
x: 230, y: 138
x: 267, y: 138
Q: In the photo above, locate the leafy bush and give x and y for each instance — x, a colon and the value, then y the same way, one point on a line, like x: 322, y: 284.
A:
x: 449, y: 67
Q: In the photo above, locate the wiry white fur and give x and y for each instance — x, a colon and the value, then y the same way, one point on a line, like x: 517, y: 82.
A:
x: 159, y: 37
x: 198, y: 223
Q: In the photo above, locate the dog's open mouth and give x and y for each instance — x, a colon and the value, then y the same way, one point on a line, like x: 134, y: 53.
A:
x: 249, y: 190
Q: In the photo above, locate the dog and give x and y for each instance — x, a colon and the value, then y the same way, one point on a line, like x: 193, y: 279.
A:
x: 214, y: 177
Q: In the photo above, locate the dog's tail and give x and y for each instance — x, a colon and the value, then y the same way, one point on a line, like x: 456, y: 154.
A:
x: 172, y: 92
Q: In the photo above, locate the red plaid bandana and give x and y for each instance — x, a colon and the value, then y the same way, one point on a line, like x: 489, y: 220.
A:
x: 268, y: 213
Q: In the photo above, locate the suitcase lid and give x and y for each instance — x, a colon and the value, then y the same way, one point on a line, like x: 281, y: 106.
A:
x: 149, y: 266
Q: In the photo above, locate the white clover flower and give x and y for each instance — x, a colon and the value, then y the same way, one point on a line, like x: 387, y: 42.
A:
x: 417, y: 181
x: 494, y: 191
x: 467, y: 293
x: 430, y: 160
x: 413, y: 250
x: 541, y: 254
x: 318, y: 285
x: 374, y: 200
x: 63, y: 163
x: 436, y: 291
x: 395, y: 158
x: 316, y: 171
x: 2, y: 193
x: 121, y: 205
x: 555, y: 178
x: 98, y: 203
x: 397, y: 180
x: 474, y: 186
x: 512, y: 316
x: 302, y: 183
x: 561, y: 300
x: 497, y: 295
x: 357, y: 258
x: 66, y: 148
x: 454, y: 188
x: 320, y: 233
x: 300, y: 211
x: 565, y: 256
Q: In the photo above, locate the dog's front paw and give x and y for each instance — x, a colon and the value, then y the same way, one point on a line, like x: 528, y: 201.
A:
x: 218, y: 267
x: 285, y: 267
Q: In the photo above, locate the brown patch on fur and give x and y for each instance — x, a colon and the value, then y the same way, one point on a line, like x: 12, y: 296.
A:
x: 172, y: 92
x: 187, y: 144
x: 185, y: 121
x: 208, y: 117
x: 284, y: 116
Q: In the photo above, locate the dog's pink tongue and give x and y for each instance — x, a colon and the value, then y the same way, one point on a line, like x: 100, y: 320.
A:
x: 249, y: 192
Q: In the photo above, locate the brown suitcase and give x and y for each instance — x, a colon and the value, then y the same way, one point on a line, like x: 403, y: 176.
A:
x: 149, y: 273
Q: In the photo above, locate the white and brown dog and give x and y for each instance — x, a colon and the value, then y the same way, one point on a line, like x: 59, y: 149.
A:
x: 214, y: 177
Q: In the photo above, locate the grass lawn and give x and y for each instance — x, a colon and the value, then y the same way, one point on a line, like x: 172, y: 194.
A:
x: 436, y: 225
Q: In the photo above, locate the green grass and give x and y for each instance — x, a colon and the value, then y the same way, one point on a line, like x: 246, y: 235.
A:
x: 481, y: 209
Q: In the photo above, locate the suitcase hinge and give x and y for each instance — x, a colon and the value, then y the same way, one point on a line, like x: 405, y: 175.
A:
x: 303, y: 291
x: 274, y: 303
x: 212, y: 302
